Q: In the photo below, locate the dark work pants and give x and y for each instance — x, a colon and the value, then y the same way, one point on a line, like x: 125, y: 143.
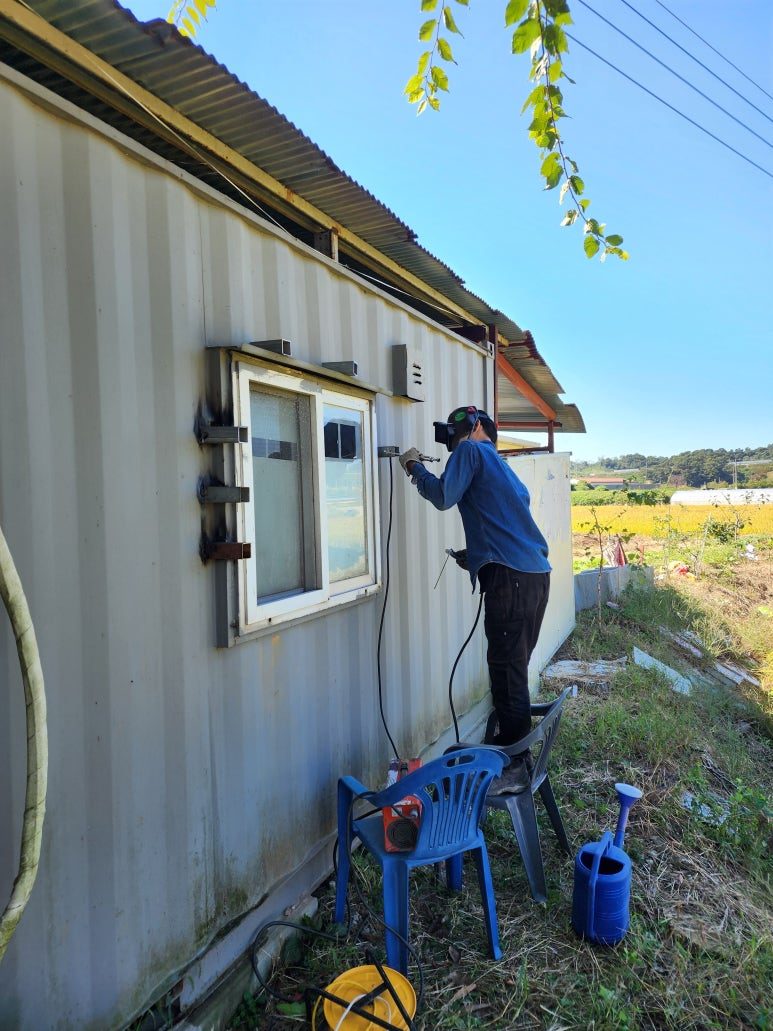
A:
x: 514, y: 607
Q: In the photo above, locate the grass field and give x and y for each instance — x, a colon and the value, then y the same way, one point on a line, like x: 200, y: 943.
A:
x: 658, y: 520
x: 699, y: 951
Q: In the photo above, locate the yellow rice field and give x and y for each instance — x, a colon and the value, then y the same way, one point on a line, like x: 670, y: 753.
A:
x: 656, y: 520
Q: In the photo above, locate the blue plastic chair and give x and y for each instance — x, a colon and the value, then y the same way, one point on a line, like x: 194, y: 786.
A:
x: 452, y: 790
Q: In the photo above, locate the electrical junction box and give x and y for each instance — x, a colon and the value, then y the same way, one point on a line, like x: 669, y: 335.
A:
x: 408, y: 373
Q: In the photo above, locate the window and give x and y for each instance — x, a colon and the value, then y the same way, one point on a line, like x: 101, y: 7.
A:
x: 311, y: 519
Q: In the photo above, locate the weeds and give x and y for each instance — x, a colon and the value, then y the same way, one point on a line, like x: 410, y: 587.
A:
x: 699, y: 951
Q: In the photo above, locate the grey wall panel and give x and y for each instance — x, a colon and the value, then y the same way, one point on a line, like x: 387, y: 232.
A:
x: 185, y: 781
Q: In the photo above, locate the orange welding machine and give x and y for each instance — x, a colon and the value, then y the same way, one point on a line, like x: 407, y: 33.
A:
x: 402, y: 820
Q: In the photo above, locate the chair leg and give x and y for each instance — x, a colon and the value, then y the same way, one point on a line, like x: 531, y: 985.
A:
x: 524, y: 817
x: 549, y: 800
x: 396, y: 875
x: 344, y: 844
x: 488, y: 900
x: 454, y: 872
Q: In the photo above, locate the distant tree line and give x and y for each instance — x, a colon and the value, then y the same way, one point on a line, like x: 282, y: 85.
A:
x: 688, y: 468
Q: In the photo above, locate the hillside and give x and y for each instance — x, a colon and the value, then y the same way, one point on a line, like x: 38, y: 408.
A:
x: 741, y: 466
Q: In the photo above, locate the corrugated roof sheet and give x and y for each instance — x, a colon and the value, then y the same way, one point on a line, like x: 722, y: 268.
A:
x: 179, y: 72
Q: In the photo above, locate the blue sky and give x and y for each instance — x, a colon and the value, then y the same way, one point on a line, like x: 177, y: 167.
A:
x: 667, y: 352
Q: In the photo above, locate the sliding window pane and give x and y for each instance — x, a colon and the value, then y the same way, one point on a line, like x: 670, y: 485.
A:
x: 345, y: 493
x: 281, y: 471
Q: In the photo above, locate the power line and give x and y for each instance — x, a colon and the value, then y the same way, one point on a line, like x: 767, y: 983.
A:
x: 697, y: 60
x: 673, y: 72
x: 670, y: 106
x: 717, y: 52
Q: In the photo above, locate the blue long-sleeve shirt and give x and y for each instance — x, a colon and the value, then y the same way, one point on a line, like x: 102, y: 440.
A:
x: 494, y: 506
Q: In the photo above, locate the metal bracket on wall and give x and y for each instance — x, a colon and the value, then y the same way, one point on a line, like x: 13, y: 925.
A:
x: 207, y: 433
x: 210, y: 493
x: 223, y: 551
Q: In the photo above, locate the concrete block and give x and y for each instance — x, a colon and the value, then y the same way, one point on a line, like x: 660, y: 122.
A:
x: 614, y: 580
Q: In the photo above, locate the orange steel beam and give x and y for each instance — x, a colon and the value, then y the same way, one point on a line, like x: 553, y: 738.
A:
x: 524, y: 388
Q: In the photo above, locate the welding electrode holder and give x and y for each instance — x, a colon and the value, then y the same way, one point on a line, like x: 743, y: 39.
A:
x: 393, y: 451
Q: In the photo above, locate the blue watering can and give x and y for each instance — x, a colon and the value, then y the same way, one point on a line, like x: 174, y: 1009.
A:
x: 602, y: 880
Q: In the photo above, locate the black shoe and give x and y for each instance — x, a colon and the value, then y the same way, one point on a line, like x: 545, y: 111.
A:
x: 513, y: 780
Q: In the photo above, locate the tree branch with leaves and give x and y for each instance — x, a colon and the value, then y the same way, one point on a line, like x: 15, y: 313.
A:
x: 187, y: 16
x: 539, y: 29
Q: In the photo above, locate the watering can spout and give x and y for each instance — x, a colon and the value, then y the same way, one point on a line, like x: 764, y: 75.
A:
x: 627, y: 795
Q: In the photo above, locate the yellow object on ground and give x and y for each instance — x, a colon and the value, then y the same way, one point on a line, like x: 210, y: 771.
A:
x: 359, y: 981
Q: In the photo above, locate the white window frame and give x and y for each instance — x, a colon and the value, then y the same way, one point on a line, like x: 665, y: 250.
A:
x: 254, y: 615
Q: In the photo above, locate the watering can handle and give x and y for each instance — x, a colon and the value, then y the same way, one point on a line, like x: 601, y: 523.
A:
x: 604, y: 846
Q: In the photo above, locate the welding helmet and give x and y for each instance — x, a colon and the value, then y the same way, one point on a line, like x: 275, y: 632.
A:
x: 460, y: 423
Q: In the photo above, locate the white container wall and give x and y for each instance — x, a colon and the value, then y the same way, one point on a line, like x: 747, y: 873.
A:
x: 547, y: 478
x: 189, y: 784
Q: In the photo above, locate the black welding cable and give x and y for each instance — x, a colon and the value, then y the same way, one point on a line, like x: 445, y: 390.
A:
x: 458, y: 657
x: 303, y: 929
x: 383, y: 614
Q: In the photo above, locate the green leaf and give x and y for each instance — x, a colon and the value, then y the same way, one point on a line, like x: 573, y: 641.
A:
x: 464, y: 3
x: 556, y: 7
x: 424, y: 61
x: 445, y: 50
x: 525, y: 34
x: 413, y: 84
x: 554, y: 70
x: 615, y: 240
x: 515, y: 10
x: 448, y: 18
x: 534, y: 97
x: 549, y: 164
x: 439, y: 77
x: 434, y: 103
x: 585, y: 204
x: 590, y: 245
x: 541, y: 120
x: 555, y: 39
x: 552, y: 180
x: 570, y: 217
x: 291, y: 1009
x: 577, y: 184
x: 422, y: 107
x: 415, y: 95
x: 546, y: 140
x: 425, y: 32
x: 428, y: 5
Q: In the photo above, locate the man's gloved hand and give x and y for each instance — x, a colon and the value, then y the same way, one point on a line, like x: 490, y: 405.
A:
x: 408, y: 458
x: 460, y: 557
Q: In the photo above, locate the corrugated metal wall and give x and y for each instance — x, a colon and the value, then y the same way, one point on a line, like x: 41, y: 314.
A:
x: 185, y: 781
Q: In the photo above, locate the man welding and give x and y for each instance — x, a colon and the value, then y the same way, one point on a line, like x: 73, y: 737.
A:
x: 505, y: 551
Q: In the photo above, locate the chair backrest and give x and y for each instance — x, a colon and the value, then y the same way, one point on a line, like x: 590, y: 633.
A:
x: 545, y: 733
x: 452, y: 790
